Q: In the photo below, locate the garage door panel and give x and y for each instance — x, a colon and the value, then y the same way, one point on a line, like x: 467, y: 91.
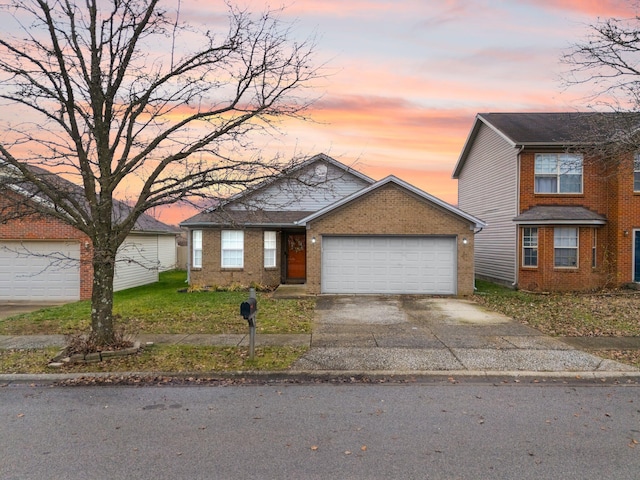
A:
x: 39, y: 271
x: 390, y: 264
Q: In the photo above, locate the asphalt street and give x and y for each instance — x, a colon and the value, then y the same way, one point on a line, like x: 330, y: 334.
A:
x: 321, y: 431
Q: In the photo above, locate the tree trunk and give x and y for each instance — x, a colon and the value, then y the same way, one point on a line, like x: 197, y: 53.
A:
x: 102, y: 325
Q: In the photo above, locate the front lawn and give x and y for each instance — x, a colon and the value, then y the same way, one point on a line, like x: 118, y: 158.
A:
x: 606, y: 313
x: 161, y: 308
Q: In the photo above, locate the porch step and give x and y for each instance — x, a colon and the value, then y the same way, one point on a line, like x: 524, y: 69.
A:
x: 291, y: 291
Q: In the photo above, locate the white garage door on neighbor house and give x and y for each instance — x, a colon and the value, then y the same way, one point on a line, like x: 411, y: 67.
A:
x: 39, y: 271
x: 389, y: 264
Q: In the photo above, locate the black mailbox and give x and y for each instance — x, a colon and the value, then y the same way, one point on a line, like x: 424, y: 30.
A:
x: 248, y: 309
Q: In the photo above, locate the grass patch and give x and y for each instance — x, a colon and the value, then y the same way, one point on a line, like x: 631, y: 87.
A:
x: 160, y: 358
x: 606, y: 313
x: 160, y: 308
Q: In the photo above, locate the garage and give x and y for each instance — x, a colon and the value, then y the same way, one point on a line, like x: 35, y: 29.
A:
x: 39, y: 271
x: 389, y: 264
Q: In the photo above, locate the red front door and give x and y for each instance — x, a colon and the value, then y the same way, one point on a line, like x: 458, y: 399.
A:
x: 296, y: 256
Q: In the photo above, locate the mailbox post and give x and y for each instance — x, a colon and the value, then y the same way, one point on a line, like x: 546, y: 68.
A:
x: 249, y: 311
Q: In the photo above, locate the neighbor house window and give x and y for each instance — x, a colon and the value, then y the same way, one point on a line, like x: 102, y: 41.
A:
x: 530, y: 247
x: 636, y: 172
x: 558, y: 173
x: 565, y: 246
x: 196, y: 245
x: 232, y: 249
x: 269, y: 249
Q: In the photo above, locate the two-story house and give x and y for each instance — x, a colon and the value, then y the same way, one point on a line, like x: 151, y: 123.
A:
x: 558, y: 216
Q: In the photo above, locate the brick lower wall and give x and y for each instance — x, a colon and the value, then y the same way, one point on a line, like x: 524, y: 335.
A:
x: 253, y: 272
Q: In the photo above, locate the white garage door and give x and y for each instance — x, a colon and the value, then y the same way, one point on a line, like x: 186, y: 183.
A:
x: 39, y: 271
x: 394, y: 264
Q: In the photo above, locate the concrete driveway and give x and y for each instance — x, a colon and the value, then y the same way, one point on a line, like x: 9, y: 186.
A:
x: 403, y: 334
x: 9, y: 309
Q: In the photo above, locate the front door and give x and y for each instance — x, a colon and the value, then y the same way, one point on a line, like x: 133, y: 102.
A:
x: 296, y: 257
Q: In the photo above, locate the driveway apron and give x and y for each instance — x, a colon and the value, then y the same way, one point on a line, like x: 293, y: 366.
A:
x: 408, y: 333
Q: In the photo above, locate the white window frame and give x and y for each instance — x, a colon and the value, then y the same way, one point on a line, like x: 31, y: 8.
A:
x: 562, y: 239
x: 196, y: 248
x: 557, y: 166
x: 529, y: 242
x: 636, y: 173
x: 270, y: 246
x: 232, y: 249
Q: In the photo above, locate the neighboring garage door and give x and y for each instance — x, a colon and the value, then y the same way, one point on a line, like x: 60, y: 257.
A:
x: 39, y: 271
x: 389, y: 264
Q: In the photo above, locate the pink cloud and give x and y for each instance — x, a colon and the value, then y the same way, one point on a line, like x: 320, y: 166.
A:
x: 596, y: 8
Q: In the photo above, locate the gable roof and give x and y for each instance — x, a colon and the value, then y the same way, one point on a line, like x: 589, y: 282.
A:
x: 559, y: 130
x: 271, y: 215
x: 144, y: 224
x: 290, y: 173
x: 391, y: 179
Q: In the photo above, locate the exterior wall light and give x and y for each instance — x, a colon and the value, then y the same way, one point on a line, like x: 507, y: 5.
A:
x: 313, y: 239
x: 465, y: 241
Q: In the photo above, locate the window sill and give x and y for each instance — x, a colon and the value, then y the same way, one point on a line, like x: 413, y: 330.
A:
x: 563, y: 195
x: 231, y: 269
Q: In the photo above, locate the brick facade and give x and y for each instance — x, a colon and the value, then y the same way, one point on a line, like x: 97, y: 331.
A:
x: 606, y: 191
x: 253, y: 272
x: 391, y: 210
x: 37, y: 227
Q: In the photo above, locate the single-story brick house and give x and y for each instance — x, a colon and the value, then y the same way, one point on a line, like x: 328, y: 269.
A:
x: 336, y: 231
x: 43, y: 259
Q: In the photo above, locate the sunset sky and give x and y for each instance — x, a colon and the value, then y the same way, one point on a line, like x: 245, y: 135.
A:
x: 406, y: 78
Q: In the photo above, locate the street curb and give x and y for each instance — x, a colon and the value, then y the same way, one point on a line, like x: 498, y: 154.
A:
x: 311, y: 377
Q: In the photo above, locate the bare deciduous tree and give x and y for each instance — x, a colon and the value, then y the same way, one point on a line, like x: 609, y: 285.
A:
x: 607, y: 65
x: 119, y: 97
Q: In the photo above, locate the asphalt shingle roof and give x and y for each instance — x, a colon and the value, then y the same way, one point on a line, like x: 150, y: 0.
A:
x: 560, y: 214
x: 558, y: 128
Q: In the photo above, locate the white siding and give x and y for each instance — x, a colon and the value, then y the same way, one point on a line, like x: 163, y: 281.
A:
x: 47, y: 271
x: 487, y: 189
x: 136, y: 262
x: 167, y: 252
x: 313, y: 192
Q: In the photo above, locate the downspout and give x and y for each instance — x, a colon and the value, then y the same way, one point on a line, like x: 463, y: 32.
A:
x: 517, y: 212
x: 189, y: 256
x: 474, y: 258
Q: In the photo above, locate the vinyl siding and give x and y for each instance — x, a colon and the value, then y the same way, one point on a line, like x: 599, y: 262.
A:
x: 136, y: 262
x: 167, y: 252
x: 309, y: 194
x: 487, y: 189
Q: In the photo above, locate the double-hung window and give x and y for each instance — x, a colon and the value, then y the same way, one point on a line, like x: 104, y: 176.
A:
x: 558, y: 173
x: 565, y: 247
x: 269, y: 249
x: 530, y: 247
x: 196, y: 246
x: 232, y: 249
x: 636, y: 172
